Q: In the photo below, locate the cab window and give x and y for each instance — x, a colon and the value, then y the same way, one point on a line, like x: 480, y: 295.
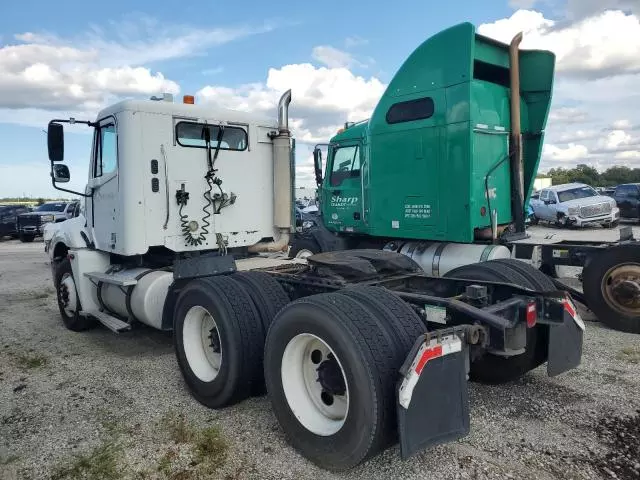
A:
x: 346, y: 164
x: 106, y: 149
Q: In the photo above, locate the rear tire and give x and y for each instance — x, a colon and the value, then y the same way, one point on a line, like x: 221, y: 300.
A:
x: 600, y: 276
x: 495, y: 369
x: 364, y: 362
x: 26, y: 238
x: 303, y: 247
x: 68, y: 300
x: 218, y: 340
x: 268, y: 298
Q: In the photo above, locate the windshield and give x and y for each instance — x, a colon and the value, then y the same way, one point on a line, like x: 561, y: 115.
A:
x: 51, y: 207
x: 576, y: 193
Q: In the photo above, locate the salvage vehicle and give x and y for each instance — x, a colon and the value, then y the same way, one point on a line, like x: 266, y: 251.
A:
x: 575, y: 204
x: 8, y: 219
x: 357, y: 349
x: 32, y: 224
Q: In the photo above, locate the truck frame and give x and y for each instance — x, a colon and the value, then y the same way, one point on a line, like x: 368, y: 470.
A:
x: 357, y: 349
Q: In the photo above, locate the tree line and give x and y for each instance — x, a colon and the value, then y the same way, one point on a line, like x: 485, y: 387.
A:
x: 582, y: 173
x: 30, y: 200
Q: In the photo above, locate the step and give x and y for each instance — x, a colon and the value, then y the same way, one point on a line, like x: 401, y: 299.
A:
x: 121, y: 279
x: 112, y: 323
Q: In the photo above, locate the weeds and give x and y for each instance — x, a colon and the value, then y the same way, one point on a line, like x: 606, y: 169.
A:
x: 630, y: 354
x: 207, y: 446
x: 99, y: 464
x: 9, y: 460
x: 178, y: 428
x: 30, y: 360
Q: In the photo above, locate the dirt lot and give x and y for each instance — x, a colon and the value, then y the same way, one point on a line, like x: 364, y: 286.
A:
x: 94, y: 405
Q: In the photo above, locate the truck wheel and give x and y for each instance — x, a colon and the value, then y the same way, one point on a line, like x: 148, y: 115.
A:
x: 68, y: 300
x: 331, y: 372
x: 268, y: 298
x: 397, y: 316
x: 494, y: 369
x: 218, y: 340
x: 26, y: 238
x: 267, y: 295
x: 611, y: 284
x: 534, y: 220
x: 303, y: 247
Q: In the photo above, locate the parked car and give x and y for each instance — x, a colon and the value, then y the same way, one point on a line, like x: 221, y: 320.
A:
x: 8, y: 216
x: 31, y: 225
x: 627, y: 196
x: 575, y: 204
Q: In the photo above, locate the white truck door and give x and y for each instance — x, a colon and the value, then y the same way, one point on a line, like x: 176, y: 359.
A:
x: 104, y: 183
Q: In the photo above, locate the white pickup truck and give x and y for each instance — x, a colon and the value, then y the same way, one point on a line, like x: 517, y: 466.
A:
x: 574, y: 204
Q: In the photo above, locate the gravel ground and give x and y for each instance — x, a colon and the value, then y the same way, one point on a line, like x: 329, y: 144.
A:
x: 116, y: 407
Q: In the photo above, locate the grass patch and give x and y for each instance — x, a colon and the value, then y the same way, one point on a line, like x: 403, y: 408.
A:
x: 9, y: 460
x: 211, y: 448
x: 207, y: 447
x: 30, y: 360
x: 101, y: 463
x: 178, y: 428
x: 630, y: 354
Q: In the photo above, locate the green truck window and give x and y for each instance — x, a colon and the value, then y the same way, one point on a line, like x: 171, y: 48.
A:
x: 346, y: 164
x: 411, y: 110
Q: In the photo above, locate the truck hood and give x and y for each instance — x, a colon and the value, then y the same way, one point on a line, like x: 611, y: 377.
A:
x: 583, y: 202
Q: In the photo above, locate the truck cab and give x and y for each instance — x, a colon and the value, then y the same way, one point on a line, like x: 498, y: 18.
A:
x: 434, y: 162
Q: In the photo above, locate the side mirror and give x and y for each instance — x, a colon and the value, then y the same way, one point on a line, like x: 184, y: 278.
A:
x: 55, y: 143
x: 60, y: 173
x: 317, y: 164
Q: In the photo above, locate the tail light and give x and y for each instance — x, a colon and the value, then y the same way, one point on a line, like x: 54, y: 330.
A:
x: 532, y: 314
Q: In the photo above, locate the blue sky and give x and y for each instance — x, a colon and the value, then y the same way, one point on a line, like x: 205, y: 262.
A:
x: 240, y: 56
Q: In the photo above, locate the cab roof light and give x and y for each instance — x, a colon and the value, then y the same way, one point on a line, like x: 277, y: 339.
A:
x: 189, y: 99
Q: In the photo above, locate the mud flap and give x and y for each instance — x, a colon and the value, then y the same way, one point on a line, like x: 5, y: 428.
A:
x: 432, y: 397
x: 565, y: 341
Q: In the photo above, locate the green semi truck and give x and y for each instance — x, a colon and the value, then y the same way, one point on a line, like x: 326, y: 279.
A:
x: 442, y: 169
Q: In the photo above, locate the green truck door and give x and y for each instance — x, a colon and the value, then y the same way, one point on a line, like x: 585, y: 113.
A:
x: 342, y: 190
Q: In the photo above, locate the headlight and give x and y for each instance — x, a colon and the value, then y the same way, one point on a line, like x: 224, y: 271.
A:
x: 573, y: 210
x: 46, y: 218
x: 307, y: 224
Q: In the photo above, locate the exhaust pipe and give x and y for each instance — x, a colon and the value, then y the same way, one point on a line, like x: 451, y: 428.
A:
x: 282, y: 183
x: 517, y: 174
x: 283, y: 112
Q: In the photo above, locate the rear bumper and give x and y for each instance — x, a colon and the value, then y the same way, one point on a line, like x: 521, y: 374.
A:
x: 432, y: 396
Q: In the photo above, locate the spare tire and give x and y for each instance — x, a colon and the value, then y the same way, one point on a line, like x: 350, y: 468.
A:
x: 331, y: 370
x: 218, y: 340
x: 495, y: 369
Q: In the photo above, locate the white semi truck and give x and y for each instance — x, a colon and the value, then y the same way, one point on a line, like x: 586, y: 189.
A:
x: 357, y: 350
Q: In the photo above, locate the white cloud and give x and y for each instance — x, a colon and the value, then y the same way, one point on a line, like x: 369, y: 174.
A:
x: 571, y: 153
x: 594, y: 47
x: 355, y: 41
x: 577, y: 9
x: 518, y: 4
x: 334, y: 58
x: 323, y: 98
x: 622, y: 124
x: 83, y: 73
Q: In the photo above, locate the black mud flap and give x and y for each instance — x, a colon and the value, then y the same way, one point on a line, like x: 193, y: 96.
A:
x: 432, y: 397
x: 565, y: 342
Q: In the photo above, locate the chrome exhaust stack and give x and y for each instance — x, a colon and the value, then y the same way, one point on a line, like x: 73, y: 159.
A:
x: 517, y: 173
x: 282, y: 183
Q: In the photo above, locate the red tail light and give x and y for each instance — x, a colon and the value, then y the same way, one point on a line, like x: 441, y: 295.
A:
x: 532, y: 314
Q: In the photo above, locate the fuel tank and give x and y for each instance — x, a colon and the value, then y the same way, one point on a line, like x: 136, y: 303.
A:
x: 436, y: 259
